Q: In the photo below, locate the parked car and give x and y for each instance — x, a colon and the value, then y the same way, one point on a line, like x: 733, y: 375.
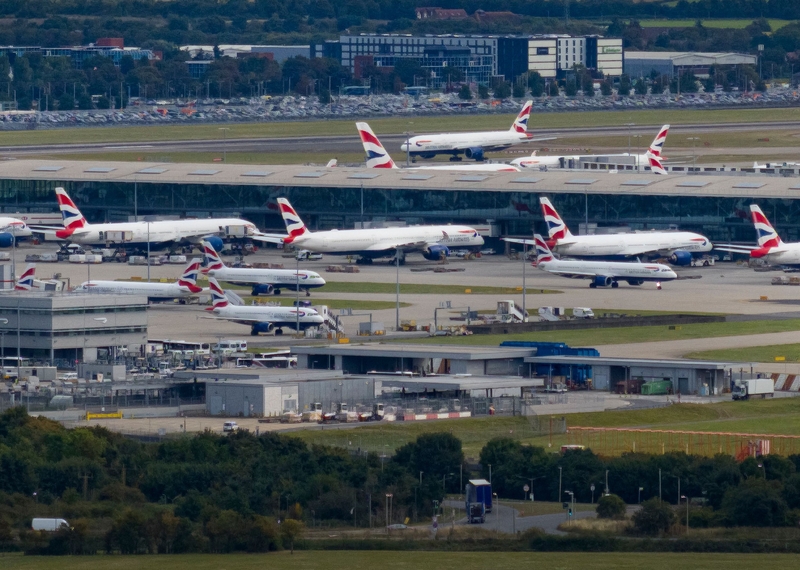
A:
x: 230, y: 426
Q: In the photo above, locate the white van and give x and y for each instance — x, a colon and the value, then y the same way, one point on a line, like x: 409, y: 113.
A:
x: 49, y: 525
x: 228, y: 347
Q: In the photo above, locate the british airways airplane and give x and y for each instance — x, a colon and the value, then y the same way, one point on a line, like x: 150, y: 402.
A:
x: 770, y: 245
x: 378, y: 157
x: 472, y: 145
x: 651, y: 158
x: 432, y: 241
x: 679, y: 246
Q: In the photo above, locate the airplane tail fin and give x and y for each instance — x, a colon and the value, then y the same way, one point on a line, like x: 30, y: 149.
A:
x: 767, y: 236
x: 556, y: 227
x: 218, y: 297
x: 657, y: 146
x: 189, y: 277
x: 332, y: 163
x: 521, y: 122
x: 654, y: 161
x: 70, y: 214
x: 212, y: 258
x: 377, y: 156
x: 25, y: 281
x: 294, y: 225
x: 543, y: 253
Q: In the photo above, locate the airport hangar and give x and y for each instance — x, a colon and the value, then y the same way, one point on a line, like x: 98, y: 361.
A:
x: 497, y: 203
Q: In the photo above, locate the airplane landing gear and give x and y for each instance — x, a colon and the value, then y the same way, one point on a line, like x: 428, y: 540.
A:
x: 455, y: 158
x: 614, y: 285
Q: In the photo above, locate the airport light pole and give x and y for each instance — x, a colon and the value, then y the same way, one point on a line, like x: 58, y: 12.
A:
x: 629, y: 125
x: 524, y: 287
x: 397, y: 292
x: 694, y: 156
x: 224, y: 143
x: 3, y: 349
x: 408, y: 135
x: 297, y: 293
x: 687, y: 513
x: 559, y: 483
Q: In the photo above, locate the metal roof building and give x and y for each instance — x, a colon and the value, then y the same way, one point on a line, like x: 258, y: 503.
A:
x: 715, y: 203
x: 641, y: 63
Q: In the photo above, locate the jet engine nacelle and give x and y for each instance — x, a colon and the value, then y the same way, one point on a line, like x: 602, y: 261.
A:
x: 261, y: 328
x: 216, y: 243
x: 6, y: 239
x: 436, y: 252
x: 602, y: 281
x: 475, y: 153
x: 263, y: 289
x: 636, y: 282
x: 680, y: 257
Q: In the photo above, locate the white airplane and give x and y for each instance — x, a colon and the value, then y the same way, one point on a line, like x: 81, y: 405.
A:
x: 679, y: 246
x: 602, y: 273
x: 472, y: 145
x: 260, y: 319
x: 432, y: 241
x: 770, y: 245
x: 15, y: 227
x: 263, y: 281
x: 160, y: 233
x: 652, y: 157
x: 181, y: 289
x: 25, y: 282
x: 378, y: 157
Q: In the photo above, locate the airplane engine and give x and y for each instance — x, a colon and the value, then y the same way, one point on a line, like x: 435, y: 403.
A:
x: 635, y: 282
x: 601, y: 281
x: 6, y: 239
x: 436, y: 252
x: 263, y: 289
x: 216, y: 243
x: 475, y: 153
x: 261, y: 328
x: 680, y: 257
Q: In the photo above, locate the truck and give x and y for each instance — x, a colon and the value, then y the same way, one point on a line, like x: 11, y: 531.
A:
x: 49, y: 525
x: 754, y: 387
x: 582, y: 313
x: 478, y: 500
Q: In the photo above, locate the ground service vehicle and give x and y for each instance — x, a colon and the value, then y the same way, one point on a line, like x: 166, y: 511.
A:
x: 49, y: 525
x: 755, y: 387
x: 230, y: 426
x: 478, y: 499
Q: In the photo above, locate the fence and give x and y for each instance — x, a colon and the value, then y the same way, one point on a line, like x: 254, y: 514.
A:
x: 616, y: 441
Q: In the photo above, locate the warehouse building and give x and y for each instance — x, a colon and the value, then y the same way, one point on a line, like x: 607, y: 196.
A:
x: 54, y: 327
x: 672, y: 63
x: 626, y: 375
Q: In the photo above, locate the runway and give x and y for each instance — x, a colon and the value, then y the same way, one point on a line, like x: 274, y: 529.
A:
x: 351, y: 144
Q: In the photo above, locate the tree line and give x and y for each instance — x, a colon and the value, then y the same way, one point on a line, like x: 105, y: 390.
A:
x: 241, y: 492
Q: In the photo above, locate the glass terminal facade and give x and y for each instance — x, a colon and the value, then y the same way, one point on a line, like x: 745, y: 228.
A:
x: 515, y: 212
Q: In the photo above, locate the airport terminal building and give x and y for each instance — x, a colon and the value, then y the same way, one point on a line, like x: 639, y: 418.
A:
x: 497, y: 203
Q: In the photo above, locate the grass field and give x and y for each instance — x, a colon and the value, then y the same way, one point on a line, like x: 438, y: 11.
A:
x: 365, y: 560
x: 392, y: 125
x: 737, y: 24
x: 790, y: 353
x: 624, y: 335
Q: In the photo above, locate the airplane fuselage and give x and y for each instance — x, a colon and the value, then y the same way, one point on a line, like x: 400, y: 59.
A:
x: 631, y: 244
x: 429, y: 145
x: 278, y: 278
x: 153, y: 291
x: 368, y: 242
x: 615, y: 270
x: 276, y: 316
x: 787, y: 254
x: 159, y: 232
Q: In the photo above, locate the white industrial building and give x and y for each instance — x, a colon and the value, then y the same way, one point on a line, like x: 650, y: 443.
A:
x: 671, y: 63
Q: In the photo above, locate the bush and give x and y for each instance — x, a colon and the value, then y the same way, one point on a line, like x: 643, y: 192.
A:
x: 755, y: 502
x: 611, y: 507
x: 655, y: 517
x: 465, y: 94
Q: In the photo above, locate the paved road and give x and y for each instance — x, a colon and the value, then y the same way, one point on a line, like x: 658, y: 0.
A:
x: 507, y: 520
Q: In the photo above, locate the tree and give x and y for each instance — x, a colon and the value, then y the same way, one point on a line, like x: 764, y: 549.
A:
x: 519, y: 90
x: 640, y: 87
x: 571, y: 87
x: 536, y: 84
x: 437, y: 454
x: 483, y: 92
x: 291, y: 530
x: 755, y: 502
x: 611, y: 507
x: 654, y: 517
x: 605, y: 88
x: 502, y: 90
x: 588, y: 86
x: 554, y: 91
x: 624, y: 85
x: 465, y: 93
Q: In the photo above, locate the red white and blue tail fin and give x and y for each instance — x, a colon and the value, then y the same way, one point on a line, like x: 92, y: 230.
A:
x: 767, y: 236
x: 218, y: 298
x: 556, y: 227
x: 657, y: 146
x: 654, y: 161
x: 377, y: 157
x: 212, y: 258
x: 521, y: 122
x: 25, y: 281
x: 189, y: 278
x: 543, y: 253
x: 70, y: 214
x: 294, y: 225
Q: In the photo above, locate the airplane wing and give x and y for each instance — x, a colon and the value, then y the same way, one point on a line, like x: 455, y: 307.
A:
x: 518, y: 240
x: 735, y: 248
x: 238, y: 320
x: 233, y: 298
x: 572, y: 273
x: 268, y: 238
x: 404, y: 245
